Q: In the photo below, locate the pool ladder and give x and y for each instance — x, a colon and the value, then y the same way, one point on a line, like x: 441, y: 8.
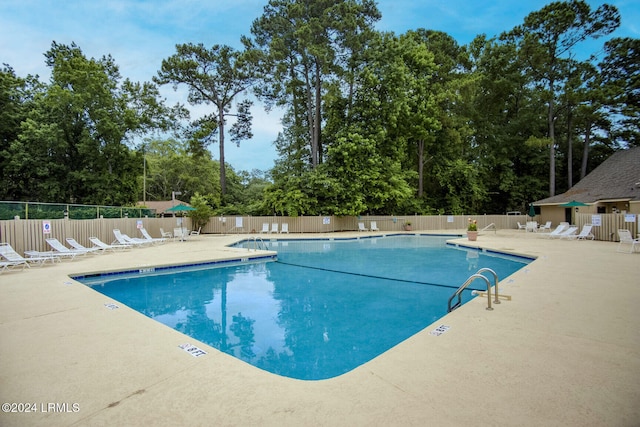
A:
x: 477, y: 275
x: 258, y: 244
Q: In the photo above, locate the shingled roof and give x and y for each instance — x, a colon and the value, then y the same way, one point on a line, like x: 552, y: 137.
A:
x: 616, y: 179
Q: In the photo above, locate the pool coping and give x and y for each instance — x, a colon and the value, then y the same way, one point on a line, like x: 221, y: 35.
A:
x: 562, y: 352
x: 168, y: 267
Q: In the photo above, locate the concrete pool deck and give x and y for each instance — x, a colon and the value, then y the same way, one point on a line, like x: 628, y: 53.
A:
x: 565, y: 351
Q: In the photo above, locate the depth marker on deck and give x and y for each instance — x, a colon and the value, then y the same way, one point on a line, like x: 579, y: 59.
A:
x: 192, y: 350
x: 440, y: 330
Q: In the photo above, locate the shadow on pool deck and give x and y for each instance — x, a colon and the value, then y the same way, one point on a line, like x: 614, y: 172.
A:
x: 564, y: 351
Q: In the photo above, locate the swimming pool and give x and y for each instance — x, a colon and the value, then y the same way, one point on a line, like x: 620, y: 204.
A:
x: 322, y: 309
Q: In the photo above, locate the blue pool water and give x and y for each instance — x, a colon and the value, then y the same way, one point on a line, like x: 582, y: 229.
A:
x: 324, y: 308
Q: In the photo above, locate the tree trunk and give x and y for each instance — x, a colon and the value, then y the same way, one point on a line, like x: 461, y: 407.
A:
x: 552, y: 147
x: 318, y: 116
x: 310, y: 118
x: 569, y: 148
x: 223, y: 175
x: 585, y: 151
x: 420, y: 168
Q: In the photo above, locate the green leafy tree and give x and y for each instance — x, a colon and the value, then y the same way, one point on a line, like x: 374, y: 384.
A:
x: 546, y: 40
x: 171, y: 167
x: 215, y: 76
x: 504, y: 112
x: 72, y: 145
x: 203, y: 212
x: 17, y: 97
x: 306, y: 44
x: 621, y: 86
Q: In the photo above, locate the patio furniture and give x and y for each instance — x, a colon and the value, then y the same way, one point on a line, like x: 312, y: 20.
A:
x: 151, y: 240
x: 100, y: 244
x: 627, y: 239
x: 584, y: 234
x: 75, y: 245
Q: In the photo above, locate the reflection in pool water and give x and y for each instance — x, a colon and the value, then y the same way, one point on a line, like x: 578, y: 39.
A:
x: 300, y: 317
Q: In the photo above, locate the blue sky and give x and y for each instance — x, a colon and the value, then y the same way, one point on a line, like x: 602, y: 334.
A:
x: 139, y: 34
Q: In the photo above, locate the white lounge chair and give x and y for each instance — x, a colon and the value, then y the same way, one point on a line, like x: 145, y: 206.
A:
x: 100, y: 244
x: 627, y: 239
x: 285, y: 228
x: 63, y: 250
x: 18, y: 261
x: 361, y: 227
x: 46, y: 255
x: 374, y: 226
x: 584, y: 234
x: 195, y: 232
x: 521, y: 227
x: 7, y: 252
x: 123, y: 239
x: 7, y: 265
x: 274, y: 227
x: 151, y: 240
x: 75, y: 245
x: 265, y: 227
x: 568, y: 233
x: 166, y: 234
x: 559, y: 229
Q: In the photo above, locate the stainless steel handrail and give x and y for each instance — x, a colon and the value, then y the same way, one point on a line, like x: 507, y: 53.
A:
x: 257, y: 245
x: 467, y: 282
x: 495, y: 281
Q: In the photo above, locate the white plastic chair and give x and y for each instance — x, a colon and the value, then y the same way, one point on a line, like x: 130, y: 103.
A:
x: 627, y: 239
x: 285, y: 228
x: 75, y: 245
x: 15, y: 259
x: 361, y: 227
x: 123, y: 239
x: 585, y: 233
x: 547, y: 226
x: 559, y: 229
x: 374, y: 226
x: 102, y: 245
x: 274, y: 227
x: 179, y: 233
x: 265, y: 227
x: 61, y: 250
x: 568, y: 233
x: 151, y: 240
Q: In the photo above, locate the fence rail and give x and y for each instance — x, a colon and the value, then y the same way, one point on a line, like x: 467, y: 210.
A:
x: 38, y: 210
x: 30, y: 234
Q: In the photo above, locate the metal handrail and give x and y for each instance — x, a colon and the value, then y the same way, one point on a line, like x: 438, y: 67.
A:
x: 495, y: 282
x: 257, y: 245
x: 467, y: 282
